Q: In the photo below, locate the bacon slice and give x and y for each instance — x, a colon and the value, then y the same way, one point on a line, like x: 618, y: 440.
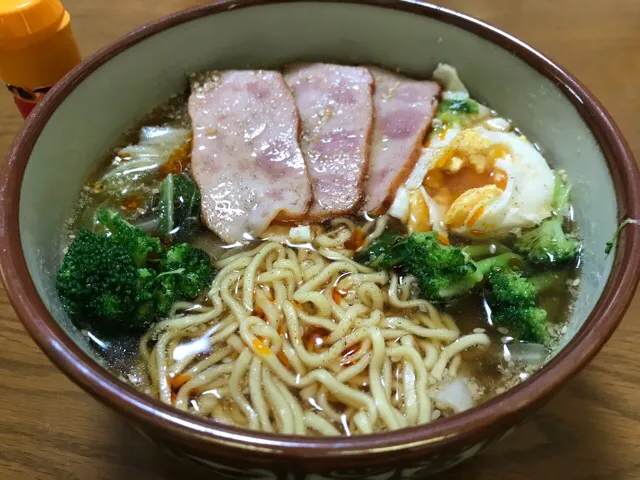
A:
x: 403, y: 110
x: 336, y: 109
x: 246, y: 158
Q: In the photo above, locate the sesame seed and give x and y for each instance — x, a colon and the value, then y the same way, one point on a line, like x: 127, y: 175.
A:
x: 503, y: 330
x: 478, y: 330
x: 563, y: 330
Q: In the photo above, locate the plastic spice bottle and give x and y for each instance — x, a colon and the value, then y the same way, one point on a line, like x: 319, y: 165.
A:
x: 37, y: 48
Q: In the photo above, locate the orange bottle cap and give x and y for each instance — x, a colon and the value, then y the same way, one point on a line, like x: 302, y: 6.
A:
x: 20, y: 19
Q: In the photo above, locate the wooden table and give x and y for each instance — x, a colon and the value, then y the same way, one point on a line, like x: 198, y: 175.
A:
x: 51, y: 429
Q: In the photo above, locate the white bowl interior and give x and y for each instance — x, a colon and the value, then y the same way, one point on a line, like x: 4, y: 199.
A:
x: 92, y: 118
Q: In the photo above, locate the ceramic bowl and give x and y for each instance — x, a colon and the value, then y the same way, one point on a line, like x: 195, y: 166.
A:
x: 84, y: 115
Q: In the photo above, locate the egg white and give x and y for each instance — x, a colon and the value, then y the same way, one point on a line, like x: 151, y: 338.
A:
x: 400, y: 206
x: 525, y: 202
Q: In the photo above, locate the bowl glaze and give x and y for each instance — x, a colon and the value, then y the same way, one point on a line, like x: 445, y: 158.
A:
x: 83, y: 116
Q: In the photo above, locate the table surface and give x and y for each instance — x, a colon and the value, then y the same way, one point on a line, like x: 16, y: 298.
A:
x: 49, y: 428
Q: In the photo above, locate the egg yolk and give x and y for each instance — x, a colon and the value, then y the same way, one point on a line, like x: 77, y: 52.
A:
x: 467, y: 162
x: 445, y: 187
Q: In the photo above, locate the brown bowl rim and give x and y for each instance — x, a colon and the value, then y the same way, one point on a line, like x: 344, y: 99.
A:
x: 458, y: 430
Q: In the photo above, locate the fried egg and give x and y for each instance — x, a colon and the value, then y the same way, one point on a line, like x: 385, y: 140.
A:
x: 477, y: 183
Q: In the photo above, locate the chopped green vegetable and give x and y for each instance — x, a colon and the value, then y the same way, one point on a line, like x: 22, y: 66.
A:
x: 386, y: 252
x: 166, y: 205
x: 611, y: 243
x: 456, y: 112
x: 179, y: 207
x: 459, y: 106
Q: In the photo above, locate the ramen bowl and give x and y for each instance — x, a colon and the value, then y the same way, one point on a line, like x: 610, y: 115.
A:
x: 85, y: 114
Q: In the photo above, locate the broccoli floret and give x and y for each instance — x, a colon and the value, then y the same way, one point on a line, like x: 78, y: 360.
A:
x: 528, y: 324
x: 146, y: 312
x: 547, y: 244
x: 509, y: 287
x: 190, y: 268
x: 138, y: 243
x: 384, y: 253
x: 442, y: 271
x: 512, y: 299
x: 165, y: 294
x: 100, y: 283
x: 112, y: 283
x: 186, y: 272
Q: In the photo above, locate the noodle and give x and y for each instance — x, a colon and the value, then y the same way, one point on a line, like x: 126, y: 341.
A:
x: 306, y: 341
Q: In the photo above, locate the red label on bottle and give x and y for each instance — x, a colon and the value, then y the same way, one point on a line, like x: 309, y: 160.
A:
x: 25, y: 98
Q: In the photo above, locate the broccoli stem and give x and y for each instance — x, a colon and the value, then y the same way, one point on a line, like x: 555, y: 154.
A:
x: 485, y: 250
x: 548, y: 281
x: 561, y: 191
x: 504, y: 260
x: 461, y: 286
